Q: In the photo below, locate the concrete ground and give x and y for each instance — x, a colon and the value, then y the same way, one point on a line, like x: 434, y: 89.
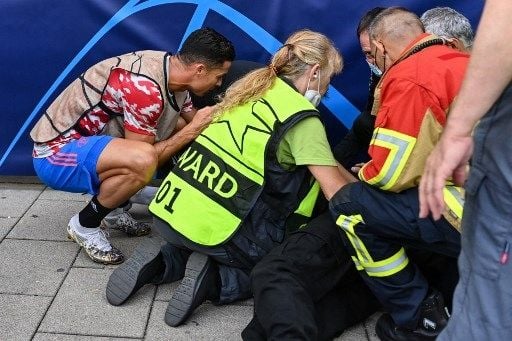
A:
x: 51, y: 290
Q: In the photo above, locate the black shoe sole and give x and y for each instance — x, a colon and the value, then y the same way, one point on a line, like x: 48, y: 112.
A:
x: 144, y: 264
x: 182, y: 302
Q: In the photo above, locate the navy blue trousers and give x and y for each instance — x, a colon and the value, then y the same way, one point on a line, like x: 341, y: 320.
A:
x: 380, y: 227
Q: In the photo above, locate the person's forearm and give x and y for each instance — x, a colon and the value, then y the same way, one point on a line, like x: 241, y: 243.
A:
x: 168, y: 148
x: 489, y: 70
x: 349, y: 177
x: 330, y: 179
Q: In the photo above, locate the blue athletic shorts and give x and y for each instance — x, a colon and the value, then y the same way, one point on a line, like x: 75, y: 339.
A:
x: 73, y: 168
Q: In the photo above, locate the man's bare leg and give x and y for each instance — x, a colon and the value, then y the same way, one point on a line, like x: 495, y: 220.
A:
x: 124, y: 167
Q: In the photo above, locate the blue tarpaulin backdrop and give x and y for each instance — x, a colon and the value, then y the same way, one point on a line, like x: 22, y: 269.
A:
x: 46, y: 44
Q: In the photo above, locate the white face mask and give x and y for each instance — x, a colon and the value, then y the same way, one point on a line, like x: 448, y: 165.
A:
x: 313, y: 95
x: 376, y: 71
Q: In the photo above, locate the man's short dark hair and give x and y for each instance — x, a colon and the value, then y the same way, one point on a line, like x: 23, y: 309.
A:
x: 367, y: 19
x: 207, y: 46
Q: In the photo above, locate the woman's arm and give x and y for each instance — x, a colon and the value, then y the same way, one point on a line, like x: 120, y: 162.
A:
x: 331, y: 178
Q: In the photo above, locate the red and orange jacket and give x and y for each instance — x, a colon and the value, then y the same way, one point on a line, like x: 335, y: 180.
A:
x: 411, y: 103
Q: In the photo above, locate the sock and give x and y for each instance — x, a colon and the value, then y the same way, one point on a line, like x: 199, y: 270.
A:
x: 92, y: 215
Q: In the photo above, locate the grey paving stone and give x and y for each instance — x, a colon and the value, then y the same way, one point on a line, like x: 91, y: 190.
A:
x: 15, y: 199
x: 369, y: 324
x: 81, y: 307
x: 356, y: 333
x: 165, y: 291
x: 51, y: 194
x: 6, y: 224
x: 20, y: 315
x: 65, y: 337
x: 83, y: 261
x: 80, y: 310
x: 34, y: 267
x: 207, y: 323
x: 46, y: 220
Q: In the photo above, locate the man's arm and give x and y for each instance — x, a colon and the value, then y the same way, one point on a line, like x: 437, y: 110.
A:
x: 167, y: 148
x: 189, y: 115
x: 489, y: 70
x: 404, y: 105
x: 488, y: 73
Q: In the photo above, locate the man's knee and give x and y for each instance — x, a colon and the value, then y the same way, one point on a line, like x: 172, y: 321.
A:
x: 142, y: 161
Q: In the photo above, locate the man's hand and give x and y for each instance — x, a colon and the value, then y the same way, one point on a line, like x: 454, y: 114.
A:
x: 201, y: 120
x: 449, y: 159
x: 357, y: 167
x: 167, y: 148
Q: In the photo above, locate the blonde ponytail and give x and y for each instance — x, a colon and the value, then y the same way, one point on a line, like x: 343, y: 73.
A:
x: 301, y: 50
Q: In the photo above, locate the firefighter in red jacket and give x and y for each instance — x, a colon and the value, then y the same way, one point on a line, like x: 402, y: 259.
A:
x: 380, y: 213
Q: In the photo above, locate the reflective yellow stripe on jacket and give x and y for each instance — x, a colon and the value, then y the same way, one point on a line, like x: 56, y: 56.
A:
x: 400, y: 147
x: 454, y: 200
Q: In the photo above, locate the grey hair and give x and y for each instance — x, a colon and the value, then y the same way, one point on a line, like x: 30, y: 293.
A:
x: 446, y: 22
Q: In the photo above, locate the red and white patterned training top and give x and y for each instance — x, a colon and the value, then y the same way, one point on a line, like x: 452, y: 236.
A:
x: 137, y: 98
